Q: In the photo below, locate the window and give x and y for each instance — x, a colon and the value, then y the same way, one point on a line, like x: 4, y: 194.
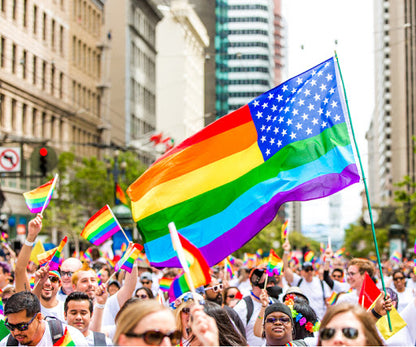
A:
x: 23, y: 63
x: 44, y: 75
x: 61, y: 85
x: 24, y: 119
x: 35, y: 19
x: 53, y: 34
x: 34, y: 70
x: 52, y: 79
x: 61, y: 39
x: 14, y: 58
x: 34, y: 119
x: 14, y: 116
x: 24, y: 13
x: 44, y: 27
x: 2, y: 50
x: 3, y: 6
x: 2, y: 109
x: 14, y: 9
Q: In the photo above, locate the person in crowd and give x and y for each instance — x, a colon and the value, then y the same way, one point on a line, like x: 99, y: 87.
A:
x: 242, y: 281
x: 405, y: 294
x: 7, y: 293
x: 228, y: 334
x: 144, y: 293
x: 113, y: 287
x: 232, y: 296
x: 297, y: 293
x: 146, y: 279
x: 304, y: 327
x: 5, y: 273
x: 104, y: 273
x: 85, y: 280
x: 348, y: 325
x: 335, y: 280
x: 78, y: 311
x: 317, y: 291
x: 273, y: 289
x: 67, y: 268
x: 411, y: 283
x: 278, y: 326
x: 29, y: 328
x: 249, y: 307
x: 47, y: 284
x: 148, y: 323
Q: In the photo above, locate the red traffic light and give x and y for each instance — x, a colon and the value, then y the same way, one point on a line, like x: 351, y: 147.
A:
x: 43, y: 152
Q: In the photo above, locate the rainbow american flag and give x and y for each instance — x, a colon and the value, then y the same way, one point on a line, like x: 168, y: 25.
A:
x: 32, y: 282
x: 39, y: 198
x: 165, y: 283
x: 65, y: 340
x: 1, y: 307
x: 274, y: 263
x: 101, y: 226
x: 127, y: 260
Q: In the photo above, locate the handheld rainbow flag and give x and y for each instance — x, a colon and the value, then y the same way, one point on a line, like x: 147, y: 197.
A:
x: 54, y: 262
x: 332, y: 299
x: 396, y: 256
x: 101, y: 226
x: 273, y: 263
x: 285, y: 230
x: 127, y: 260
x: 339, y: 252
x: 120, y: 196
x: 291, y: 143
x: 1, y: 307
x: 38, y: 199
x: 228, y: 268
x: 32, y: 282
x: 65, y: 340
x: 196, y: 273
x: 165, y: 283
x: 309, y: 256
x: 46, y: 257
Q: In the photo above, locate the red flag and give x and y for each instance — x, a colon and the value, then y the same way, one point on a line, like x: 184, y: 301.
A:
x: 120, y: 195
x: 369, y: 292
x: 156, y: 138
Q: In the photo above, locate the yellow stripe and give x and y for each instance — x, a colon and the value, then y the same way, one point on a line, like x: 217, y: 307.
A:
x: 197, y: 182
x: 97, y: 222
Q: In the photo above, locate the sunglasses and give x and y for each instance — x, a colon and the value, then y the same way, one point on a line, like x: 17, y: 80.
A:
x: 186, y: 310
x: 308, y: 269
x: 53, y: 279
x: 142, y: 296
x: 283, y: 320
x: 155, y: 337
x: 231, y: 296
x: 215, y: 288
x: 146, y: 282
x: 398, y: 278
x: 328, y: 333
x: 19, y: 326
x: 66, y: 273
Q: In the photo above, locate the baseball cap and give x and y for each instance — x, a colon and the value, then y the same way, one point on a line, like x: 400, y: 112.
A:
x: 255, y: 275
x: 146, y: 276
x: 307, y: 265
x: 295, y: 290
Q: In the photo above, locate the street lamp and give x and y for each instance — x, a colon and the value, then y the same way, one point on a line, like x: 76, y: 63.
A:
x: 116, y: 170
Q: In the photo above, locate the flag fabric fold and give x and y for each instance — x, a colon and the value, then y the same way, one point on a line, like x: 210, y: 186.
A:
x: 39, y: 197
x: 55, y: 261
x: 127, y: 260
x: 291, y: 143
x: 101, y: 226
x: 369, y: 292
x: 65, y: 340
x: 274, y: 264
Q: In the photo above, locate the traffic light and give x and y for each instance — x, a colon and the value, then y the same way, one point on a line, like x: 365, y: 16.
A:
x: 43, y: 160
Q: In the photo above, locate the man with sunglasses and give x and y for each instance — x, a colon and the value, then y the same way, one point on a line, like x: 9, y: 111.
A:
x: 68, y: 268
x: 78, y: 313
x: 29, y: 328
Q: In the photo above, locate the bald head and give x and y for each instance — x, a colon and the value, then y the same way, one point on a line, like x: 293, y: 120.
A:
x: 68, y: 267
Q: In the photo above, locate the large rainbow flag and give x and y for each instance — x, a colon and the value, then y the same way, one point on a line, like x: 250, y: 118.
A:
x: 101, y: 226
x: 224, y: 184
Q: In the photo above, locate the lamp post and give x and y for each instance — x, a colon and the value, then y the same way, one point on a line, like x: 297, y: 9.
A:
x: 116, y: 170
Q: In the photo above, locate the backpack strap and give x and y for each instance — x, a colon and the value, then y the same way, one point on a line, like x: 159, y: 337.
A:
x: 300, y: 281
x: 323, y: 292
x: 99, y: 339
x: 56, y: 329
x: 250, y: 307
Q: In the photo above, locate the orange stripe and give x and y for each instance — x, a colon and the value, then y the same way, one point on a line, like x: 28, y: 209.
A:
x: 194, y: 157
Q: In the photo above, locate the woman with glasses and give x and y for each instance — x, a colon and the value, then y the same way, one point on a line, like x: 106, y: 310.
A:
x: 348, y: 325
x: 144, y: 293
x: 404, y: 294
x: 232, y: 296
x: 146, y: 323
x: 183, y: 319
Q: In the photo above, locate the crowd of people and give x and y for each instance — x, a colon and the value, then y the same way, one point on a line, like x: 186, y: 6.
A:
x: 89, y: 304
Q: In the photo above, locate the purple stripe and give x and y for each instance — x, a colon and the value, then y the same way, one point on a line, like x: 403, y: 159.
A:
x: 232, y: 240
x: 105, y: 236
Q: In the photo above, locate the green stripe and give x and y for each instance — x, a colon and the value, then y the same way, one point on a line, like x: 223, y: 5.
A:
x: 214, y: 201
x: 101, y: 228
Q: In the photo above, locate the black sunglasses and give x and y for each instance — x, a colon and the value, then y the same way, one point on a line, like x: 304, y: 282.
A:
x: 308, y: 269
x: 53, y: 279
x: 142, y: 296
x: 147, y: 282
x: 155, y: 337
x: 186, y: 310
x: 231, y: 296
x: 66, y: 273
x: 283, y: 320
x: 328, y: 333
x: 19, y: 326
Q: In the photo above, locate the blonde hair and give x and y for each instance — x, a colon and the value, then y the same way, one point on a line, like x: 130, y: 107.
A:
x: 75, y: 275
x: 178, y: 311
x: 133, y: 314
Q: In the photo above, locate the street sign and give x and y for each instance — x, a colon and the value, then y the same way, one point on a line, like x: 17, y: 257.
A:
x: 10, y: 159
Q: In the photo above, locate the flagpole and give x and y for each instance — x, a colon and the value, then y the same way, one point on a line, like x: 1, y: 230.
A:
x: 49, y: 194
x: 365, y: 188
x: 128, y: 241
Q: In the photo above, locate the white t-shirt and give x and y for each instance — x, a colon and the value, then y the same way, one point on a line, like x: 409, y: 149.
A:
x: 241, y: 309
x: 404, y: 298
x: 244, y: 287
x: 57, y: 311
x: 313, y: 291
x: 90, y: 339
x: 110, y: 311
x: 46, y: 340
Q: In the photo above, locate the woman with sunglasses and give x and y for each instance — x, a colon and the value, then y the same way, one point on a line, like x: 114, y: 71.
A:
x: 405, y: 294
x: 144, y: 293
x: 232, y: 296
x: 348, y: 325
x: 183, y: 320
x: 146, y: 323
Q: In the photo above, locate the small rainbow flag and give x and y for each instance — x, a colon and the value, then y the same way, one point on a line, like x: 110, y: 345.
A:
x: 46, y: 257
x: 228, y: 267
x: 332, y: 298
x: 120, y: 196
x: 165, y: 283
x: 339, y: 252
x: 1, y: 307
x: 100, y: 280
x: 101, y: 226
x: 4, y: 236
x: 38, y: 199
x: 285, y: 230
x: 322, y: 248
x: 32, y: 282
x: 65, y: 340
x: 309, y: 256
x: 396, y: 256
x: 273, y: 263
x: 127, y: 260
x: 54, y: 262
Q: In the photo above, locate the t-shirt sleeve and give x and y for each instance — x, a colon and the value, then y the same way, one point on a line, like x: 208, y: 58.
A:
x: 110, y: 311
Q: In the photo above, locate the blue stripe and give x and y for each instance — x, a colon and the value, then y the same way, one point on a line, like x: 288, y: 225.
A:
x: 336, y: 159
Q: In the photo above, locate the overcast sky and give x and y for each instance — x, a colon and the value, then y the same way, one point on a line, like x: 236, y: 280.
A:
x: 313, y: 27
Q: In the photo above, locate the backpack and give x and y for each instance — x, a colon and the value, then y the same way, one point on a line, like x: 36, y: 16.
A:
x: 55, y: 327
x: 250, y: 306
x: 322, y: 285
x: 99, y: 339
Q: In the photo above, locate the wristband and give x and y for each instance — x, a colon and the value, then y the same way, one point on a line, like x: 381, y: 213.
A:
x: 375, y: 314
x: 99, y: 305
x: 28, y: 243
x: 286, y: 252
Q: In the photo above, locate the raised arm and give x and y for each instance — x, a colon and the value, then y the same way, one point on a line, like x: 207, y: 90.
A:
x: 21, y: 280
x: 287, y: 270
